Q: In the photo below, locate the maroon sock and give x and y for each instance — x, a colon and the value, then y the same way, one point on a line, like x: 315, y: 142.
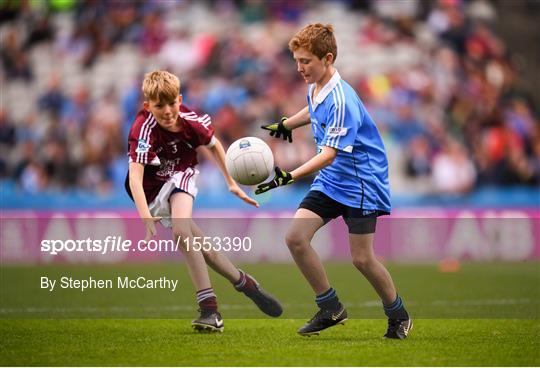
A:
x: 207, y: 300
x: 245, y: 283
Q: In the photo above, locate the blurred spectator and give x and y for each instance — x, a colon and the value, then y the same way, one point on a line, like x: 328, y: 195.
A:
x: 481, y: 10
x: 7, y: 130
x: 253, y: 11
x: 53, y: 100
x: 418, y: 158
x: 153, y: 33
x: 33, y: 128
x: 59, y: 167
x: 40, y: 30
x: 77, y: 111
x: 453, y: 171
x: 178, y: 43
x: 520, y: 119
x: 33, y: 178
x: 534, y: 163
x: 7, y: 140
x: 14, y: 59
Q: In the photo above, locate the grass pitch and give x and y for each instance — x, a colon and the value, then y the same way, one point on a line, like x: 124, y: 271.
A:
x: 485, y: 314
x: 267, y: 343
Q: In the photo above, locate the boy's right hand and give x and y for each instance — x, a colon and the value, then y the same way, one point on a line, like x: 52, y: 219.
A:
x: 281, y: 178
x: 150, y: 225
x: 278, y: 129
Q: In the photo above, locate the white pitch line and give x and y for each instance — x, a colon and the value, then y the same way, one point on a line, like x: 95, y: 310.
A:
x: 175, y: 308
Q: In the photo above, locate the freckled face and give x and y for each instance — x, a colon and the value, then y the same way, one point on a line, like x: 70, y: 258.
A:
x: 310, y: 66
x: 166, y: 113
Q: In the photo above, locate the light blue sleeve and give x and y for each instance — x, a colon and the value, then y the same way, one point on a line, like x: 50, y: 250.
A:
x: 343, y: 122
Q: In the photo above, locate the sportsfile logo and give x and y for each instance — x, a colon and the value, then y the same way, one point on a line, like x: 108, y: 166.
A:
x: 113, y: 243
x: 337, y: 131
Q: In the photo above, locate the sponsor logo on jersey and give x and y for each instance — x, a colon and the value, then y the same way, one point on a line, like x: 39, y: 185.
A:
x: 142, y: 146
x: 337, y: 131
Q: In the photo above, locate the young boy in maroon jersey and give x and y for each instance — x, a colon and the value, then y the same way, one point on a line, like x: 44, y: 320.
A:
x: 161, y: 182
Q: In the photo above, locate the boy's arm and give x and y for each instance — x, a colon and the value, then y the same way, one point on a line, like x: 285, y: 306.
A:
x: 299, y: 119
x: 286, y: 125
x: 136, y: 173
x: 219, y: 155
x: 316, y: 163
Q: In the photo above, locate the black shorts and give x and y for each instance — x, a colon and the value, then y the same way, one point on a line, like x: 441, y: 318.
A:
x: 358, y: 220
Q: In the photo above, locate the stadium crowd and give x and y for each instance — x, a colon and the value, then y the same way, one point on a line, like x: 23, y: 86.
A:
x: 453, y: 115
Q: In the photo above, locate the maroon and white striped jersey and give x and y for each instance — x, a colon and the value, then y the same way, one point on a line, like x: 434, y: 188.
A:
x: 164, y: 153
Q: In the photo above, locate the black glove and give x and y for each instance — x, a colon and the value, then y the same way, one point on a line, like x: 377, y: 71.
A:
x: 281, y: 178
x: 277, y: 129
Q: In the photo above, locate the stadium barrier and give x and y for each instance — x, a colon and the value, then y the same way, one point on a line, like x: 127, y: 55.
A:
x: 409, y: 235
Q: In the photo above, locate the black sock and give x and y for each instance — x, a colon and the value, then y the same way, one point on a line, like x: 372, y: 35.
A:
x: 328, y: 300
x: 396, y: 310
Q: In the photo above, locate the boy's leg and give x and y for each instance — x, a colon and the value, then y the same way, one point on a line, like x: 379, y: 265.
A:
x: 181, y: 210
x: 240, y: 280
x: 365, y: 261
x: 298, y: 238
x: 217, y: 261
x: 363, y: 257
x: 181, y: 207
x: 303, y: 227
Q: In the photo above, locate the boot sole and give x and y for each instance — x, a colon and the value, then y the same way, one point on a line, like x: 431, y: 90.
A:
x: 316, y: 333
x: 200, y: 327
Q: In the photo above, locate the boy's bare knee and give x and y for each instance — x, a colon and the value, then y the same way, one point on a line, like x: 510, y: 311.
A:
x: 296, y: 240
x: 181, y: 233
x: 209, y: 256
x: 362, y: 262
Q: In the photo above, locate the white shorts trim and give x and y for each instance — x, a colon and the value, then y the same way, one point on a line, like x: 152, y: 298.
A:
x: 183, y: 180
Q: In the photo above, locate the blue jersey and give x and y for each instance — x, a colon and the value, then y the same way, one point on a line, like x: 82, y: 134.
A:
x: 358, y: 177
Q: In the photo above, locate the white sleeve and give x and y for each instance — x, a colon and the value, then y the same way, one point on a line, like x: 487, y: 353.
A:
x: 212, y: 142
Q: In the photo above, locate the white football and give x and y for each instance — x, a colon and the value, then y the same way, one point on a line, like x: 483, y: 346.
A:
x: 249, y: 161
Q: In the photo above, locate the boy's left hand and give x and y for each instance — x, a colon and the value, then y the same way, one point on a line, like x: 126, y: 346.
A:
x: 237, y: 191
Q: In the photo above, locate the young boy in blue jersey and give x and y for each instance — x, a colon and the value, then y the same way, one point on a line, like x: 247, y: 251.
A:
x: 352, y: 181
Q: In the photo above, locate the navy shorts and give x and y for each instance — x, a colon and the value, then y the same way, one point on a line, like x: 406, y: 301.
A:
x: 358, y: 220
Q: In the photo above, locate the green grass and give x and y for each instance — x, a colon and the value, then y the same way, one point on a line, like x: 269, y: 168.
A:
x: 267, y: 343
x: 485, y: 314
